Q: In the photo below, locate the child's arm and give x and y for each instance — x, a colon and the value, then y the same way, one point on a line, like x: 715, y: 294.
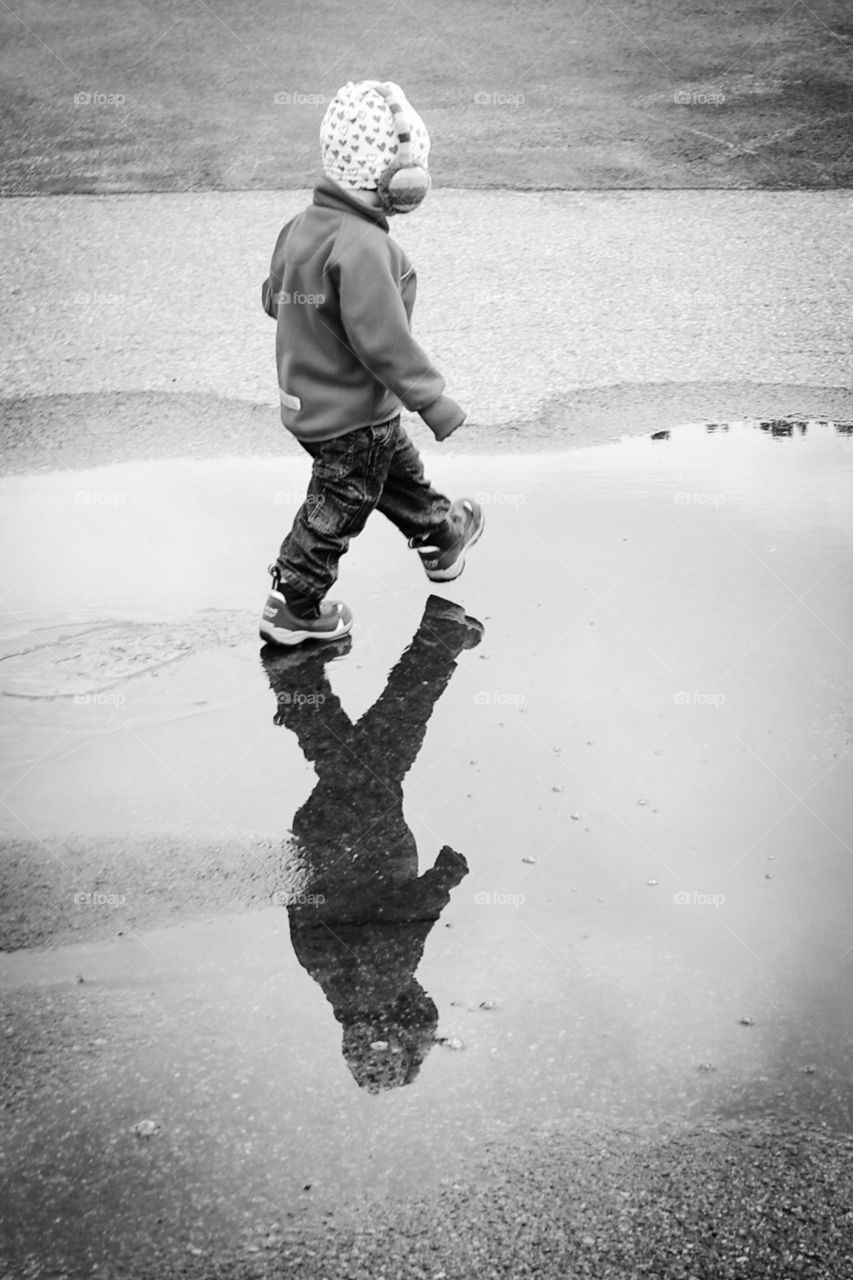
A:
x: 377, y: 326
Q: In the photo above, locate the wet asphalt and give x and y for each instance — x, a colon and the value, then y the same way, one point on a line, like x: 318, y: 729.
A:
x: 554, y: 978
x: 430, y: 951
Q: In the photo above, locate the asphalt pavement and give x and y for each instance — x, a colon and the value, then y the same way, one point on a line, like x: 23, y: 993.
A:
x: 132, y: 325
x: 610, y: 1038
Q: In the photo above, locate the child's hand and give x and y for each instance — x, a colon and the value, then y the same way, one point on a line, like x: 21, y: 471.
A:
x: 443, y: 416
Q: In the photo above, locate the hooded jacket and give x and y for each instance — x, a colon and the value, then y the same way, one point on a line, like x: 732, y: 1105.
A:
x: 342, y: 293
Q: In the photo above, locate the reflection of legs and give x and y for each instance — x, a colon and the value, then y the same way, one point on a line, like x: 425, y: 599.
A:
x: 306, y: 704
x: 393, y: 730
x: 408, y: 499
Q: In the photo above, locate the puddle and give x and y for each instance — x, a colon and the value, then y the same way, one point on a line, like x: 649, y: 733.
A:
x: 571, y: 838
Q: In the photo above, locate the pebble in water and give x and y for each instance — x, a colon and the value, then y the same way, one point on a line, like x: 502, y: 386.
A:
x: 145, y: 1128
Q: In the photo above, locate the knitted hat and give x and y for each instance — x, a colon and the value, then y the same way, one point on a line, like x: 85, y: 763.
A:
x: 358, y: 136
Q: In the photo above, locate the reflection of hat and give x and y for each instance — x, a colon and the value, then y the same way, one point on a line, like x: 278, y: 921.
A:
x: 358, y: 137
x: 385, y: 1049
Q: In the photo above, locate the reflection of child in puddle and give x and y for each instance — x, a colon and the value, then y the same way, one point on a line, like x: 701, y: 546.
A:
x: 359, y: 911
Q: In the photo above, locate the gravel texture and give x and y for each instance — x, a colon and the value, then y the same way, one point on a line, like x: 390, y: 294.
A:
x: 132, y: 324
x: 162, y: 881
x: 732, y: 1201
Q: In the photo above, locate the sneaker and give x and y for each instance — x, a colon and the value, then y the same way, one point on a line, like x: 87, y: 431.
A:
x: 447, y: 624
x: 280, y: 626
x: 443, y: 558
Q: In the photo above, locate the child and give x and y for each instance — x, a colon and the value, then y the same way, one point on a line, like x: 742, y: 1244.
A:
x: 342, y: 293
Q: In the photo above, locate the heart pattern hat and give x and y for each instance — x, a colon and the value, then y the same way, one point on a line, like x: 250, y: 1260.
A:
x: 358, y: 137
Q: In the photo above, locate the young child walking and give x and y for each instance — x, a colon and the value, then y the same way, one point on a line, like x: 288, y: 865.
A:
x: 342, y: 292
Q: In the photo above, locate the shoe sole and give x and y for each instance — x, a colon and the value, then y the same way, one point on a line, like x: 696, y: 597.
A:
x: 278, y: 635
x: 448, y: 575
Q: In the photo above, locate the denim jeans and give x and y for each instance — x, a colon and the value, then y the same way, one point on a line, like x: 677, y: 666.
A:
x: 371, y: 467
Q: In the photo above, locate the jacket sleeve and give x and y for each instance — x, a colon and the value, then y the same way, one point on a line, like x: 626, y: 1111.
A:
x: 268, y: 293
x: 274, y: 282
x: 377, y: 326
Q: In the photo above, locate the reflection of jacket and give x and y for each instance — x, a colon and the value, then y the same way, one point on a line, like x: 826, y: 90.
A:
x: 359, y: 912
x: 366, y: 971
x: 342, y: 292
x: 365, y: 962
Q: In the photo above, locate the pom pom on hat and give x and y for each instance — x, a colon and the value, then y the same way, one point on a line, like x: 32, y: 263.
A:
x: 358, y: 136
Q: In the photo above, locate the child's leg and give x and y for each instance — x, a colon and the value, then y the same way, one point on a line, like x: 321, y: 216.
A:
x: 408, y: 499
x: 346, y: 484
x: 440, y: 531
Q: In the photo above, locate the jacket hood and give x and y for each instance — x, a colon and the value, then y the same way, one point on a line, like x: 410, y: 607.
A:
x: 329, y: 195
